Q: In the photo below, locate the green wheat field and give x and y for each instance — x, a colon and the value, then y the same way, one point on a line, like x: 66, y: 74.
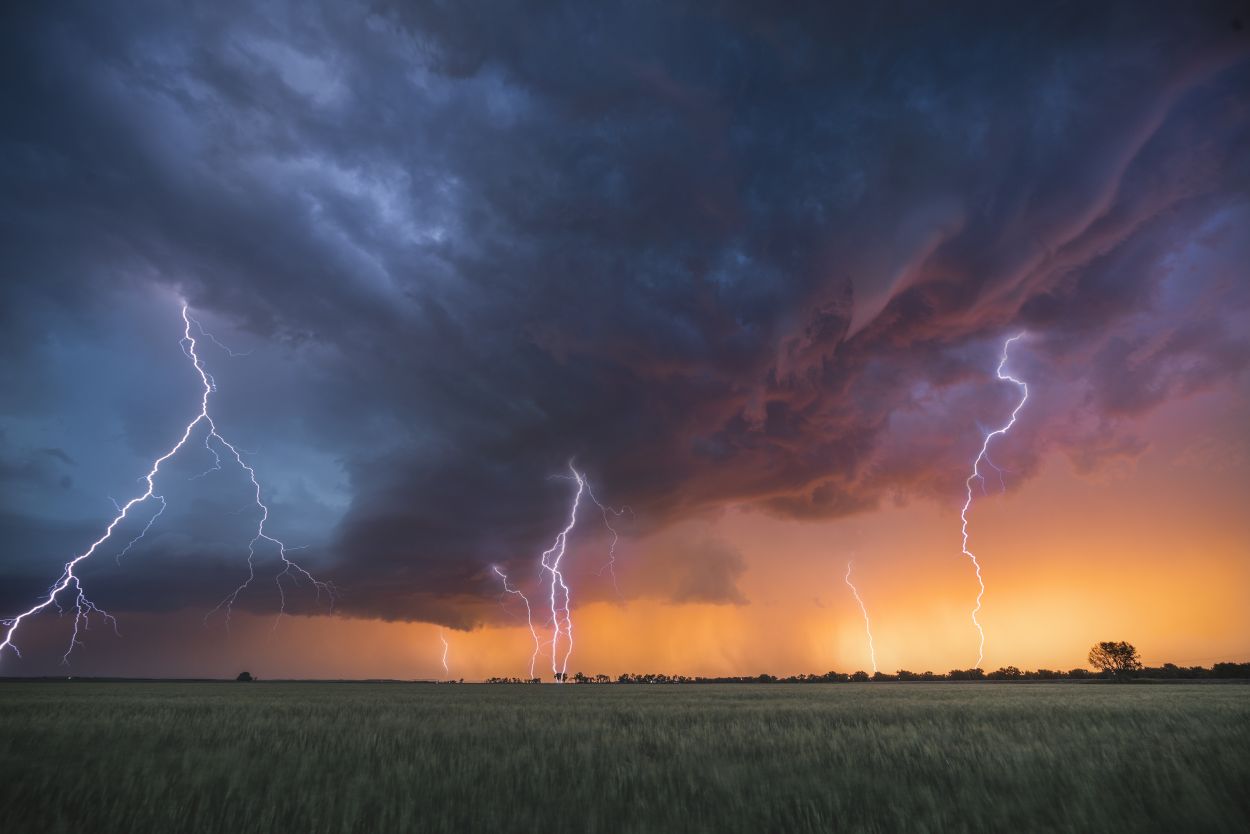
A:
x: 380, y: 757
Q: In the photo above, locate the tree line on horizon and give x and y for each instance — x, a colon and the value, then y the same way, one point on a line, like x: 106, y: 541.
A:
x: 1111, y: 661
x: 1167, y: 671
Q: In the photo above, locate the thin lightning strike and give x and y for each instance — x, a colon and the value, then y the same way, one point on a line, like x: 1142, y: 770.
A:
x: 446, y: 670
x: 872, y: 651
x: 529, y: 617
x: 142, y: 532
x: 290, y: 569
x: 83, y: 606
x: 976, y: 475
x: 233, y: 354
x: 608, y: 514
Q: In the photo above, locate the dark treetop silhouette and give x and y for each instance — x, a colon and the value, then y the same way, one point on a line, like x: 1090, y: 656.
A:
x: 1114, y: 658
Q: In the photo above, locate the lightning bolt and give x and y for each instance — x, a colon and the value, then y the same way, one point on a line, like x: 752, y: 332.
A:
x: 231, y: 353
x: 83, y: 606
x: 872, y: 652
x: 609, y: 513
x: 983, y: 456
x: 529, y: 617
x: 446, y: 670
x: 560, y: 598
x: 290, y: 570
x: 143, y: 532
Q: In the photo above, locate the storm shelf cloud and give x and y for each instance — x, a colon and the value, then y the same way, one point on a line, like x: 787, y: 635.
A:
x: 716, y: 256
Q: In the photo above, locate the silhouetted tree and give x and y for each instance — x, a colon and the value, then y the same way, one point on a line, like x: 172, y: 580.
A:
x: 1114, y: 658
x: 860, y: 677
x: 245, y: 677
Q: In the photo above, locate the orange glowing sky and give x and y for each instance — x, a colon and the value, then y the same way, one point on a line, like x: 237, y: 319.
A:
x: 1152, y: 550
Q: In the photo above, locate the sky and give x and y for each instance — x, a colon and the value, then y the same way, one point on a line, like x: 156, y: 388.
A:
x: 750, y: 273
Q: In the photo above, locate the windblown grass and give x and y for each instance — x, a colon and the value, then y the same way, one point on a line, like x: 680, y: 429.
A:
x: 303, y: 757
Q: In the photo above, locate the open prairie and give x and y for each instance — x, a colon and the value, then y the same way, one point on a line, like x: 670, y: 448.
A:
x: 337, y: 757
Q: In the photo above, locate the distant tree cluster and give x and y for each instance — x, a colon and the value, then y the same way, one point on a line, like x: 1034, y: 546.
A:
x: 1112, y: 660
x: 1006, y: 673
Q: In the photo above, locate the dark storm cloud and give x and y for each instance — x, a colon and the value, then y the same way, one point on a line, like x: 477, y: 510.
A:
x: 713, y: 255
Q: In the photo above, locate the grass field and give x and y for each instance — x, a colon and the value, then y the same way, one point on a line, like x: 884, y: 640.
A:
x: 312, y: 757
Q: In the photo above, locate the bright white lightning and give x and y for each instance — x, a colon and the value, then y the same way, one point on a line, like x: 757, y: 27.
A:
x: 84, y: 607
x: 559, y: 594
x: 446, y: 670
x: 561, y: 598
x: 983, y: 456
x: 863, y: 609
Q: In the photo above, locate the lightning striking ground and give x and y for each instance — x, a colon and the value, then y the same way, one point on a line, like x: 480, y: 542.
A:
x: 529, y: 617
x: 983, y: 456
x: 83, y: 606
x: 872, y: 651
x: 560, y: 597
x: 446, y: 646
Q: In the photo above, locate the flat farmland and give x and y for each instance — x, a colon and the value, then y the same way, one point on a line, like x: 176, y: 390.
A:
x: 374, y: 757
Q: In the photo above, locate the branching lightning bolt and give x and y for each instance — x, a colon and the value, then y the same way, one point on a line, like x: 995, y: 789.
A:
x: 983, y: 456
x: 446, y: 670
x: 872, y: 651
x: 290, y: 569
x: 142, y: 532
x: 560, y: 598
x: 83, y: 606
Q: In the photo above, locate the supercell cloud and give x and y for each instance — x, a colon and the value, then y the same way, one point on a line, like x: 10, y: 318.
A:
x: 717, y: 257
